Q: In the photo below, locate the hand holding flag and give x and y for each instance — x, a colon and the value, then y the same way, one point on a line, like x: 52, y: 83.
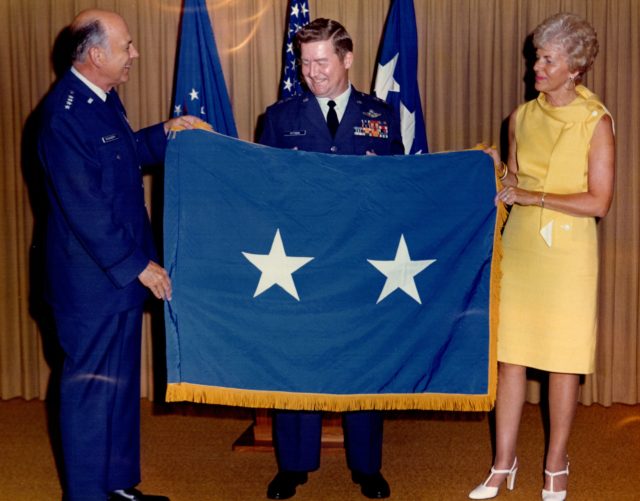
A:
x: 200, y: 88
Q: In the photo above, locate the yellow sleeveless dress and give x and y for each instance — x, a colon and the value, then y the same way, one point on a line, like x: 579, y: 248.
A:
x: 548, y: 309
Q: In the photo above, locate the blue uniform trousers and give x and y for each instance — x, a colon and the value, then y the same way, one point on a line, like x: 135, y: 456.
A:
x: 100, y: 403
x: 298, y: 433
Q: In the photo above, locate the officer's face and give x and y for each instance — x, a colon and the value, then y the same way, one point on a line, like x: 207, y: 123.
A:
x: 120, y: 53
x: 326, y: 75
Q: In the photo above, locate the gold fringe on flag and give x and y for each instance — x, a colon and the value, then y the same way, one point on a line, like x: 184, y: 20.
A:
x: 177, y: 392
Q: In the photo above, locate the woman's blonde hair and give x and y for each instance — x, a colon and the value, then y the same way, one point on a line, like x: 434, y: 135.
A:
x: 575, y: 35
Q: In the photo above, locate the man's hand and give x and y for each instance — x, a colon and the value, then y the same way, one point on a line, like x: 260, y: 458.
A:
x: 186, y: 122
x: 156, y: 278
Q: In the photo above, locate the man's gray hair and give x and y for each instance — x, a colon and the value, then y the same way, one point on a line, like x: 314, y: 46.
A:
x: 86, y: 36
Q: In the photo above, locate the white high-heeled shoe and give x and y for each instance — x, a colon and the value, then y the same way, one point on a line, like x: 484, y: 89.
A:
x: 555, y: 495
x: 483, y: 491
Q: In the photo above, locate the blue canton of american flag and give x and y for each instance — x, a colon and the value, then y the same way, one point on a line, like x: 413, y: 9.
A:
x: 297, y: 16
x: 200, y: 88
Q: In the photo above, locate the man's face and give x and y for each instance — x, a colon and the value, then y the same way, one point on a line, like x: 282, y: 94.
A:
x: 119, y: 54
x: 323, y: 71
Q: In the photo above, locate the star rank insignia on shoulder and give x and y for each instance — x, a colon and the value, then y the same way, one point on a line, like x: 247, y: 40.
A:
x: 376, y: 98
x: 371, y: 114
x: 286, y: 99
x: 69, y: 101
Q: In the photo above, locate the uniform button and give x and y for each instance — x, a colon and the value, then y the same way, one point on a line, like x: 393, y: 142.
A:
x: 333, y: 149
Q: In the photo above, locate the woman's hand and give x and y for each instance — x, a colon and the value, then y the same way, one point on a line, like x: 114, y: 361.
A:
x: 502, y: 171
x: 511, y: 195
x: 493, y: 153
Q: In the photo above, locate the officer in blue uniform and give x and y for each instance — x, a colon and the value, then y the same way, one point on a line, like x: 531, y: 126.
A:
x: 330, y: 117
x: 101, y: 260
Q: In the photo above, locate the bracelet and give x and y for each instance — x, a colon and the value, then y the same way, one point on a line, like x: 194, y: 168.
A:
x: 505, y: 171
x: 542, y: 200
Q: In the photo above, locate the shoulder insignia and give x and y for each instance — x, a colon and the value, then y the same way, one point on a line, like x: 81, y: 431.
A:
x: 286, y: 99
x: 69, y: 101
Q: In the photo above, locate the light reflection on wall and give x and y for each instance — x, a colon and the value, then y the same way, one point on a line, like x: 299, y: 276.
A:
x: 253, y: 20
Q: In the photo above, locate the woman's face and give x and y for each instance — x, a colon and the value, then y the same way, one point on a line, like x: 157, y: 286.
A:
x: 552, y: 70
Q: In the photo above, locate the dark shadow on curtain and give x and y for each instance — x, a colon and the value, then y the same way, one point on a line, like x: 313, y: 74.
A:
x: 529, y: 79
x: 153, y: 305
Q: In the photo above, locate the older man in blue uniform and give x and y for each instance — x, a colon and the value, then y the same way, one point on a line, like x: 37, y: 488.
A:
x: 330, y: 117
x: 100, y: 257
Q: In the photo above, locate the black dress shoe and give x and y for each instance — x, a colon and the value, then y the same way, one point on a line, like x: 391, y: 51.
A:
x: 283, y: 485
x: 134, y: 495
x: 373, y: 486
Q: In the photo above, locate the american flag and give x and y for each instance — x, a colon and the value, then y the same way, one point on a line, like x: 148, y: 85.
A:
x: 297, y: 16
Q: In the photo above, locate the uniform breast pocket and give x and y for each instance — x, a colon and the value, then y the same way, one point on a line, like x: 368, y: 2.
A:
x: 363, y: 144
x: 296, y: 139
x: 112, y: 156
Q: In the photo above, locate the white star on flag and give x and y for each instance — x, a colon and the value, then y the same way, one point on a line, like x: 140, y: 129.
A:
x: 290, y: 48
x: 304, y: 9
x: 277, y: 268
x: 385, y: 82
x: 294, y: 10
x: 288, y: 84
x: 177, y: 110
x: 407, y: 128
x: 400, y: 272
x: 194, y: 94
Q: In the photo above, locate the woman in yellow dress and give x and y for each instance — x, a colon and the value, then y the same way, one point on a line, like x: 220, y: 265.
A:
x: 558, y: 179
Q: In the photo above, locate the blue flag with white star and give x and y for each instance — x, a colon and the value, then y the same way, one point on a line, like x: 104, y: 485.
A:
x: 297, y: 17
x: 314, y: 281
x: 200, y: 88
x: 396, y: 75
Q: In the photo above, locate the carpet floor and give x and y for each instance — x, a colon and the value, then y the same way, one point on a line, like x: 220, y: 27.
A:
x: 187, y: 455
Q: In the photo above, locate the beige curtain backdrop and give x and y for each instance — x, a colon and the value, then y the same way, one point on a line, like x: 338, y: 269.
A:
x: 471, y: 74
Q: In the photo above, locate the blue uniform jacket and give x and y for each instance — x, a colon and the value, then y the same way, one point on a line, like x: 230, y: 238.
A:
x: 98, y: 232
x: 368, y: 124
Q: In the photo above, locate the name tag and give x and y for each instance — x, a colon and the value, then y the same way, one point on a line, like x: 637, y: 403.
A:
x: 110, y: 138
x: 295, y: 133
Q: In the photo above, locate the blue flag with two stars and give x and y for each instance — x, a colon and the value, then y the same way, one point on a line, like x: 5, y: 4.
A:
x: 396, y: 75
x: 200, y: 89
x: 311, y: 281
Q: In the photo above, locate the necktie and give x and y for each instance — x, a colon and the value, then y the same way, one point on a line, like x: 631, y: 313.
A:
x: 332, y: 118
